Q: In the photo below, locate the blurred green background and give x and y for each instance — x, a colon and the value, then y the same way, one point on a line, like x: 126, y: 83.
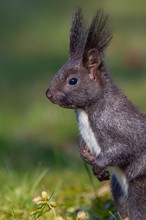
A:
x: 34, y: 133
x: 34, y: 44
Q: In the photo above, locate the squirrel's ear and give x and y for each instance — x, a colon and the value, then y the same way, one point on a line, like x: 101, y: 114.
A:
x: 92, y: 61
x: 98, y: 37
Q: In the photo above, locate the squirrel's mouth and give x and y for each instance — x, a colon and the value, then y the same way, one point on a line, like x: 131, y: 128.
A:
x: 59, y: 99
x: 67, y: 106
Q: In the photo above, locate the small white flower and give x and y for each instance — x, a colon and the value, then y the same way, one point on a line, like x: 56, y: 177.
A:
x: 37, y: 199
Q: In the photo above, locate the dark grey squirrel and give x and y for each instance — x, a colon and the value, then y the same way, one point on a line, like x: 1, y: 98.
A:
x: 112, y: 129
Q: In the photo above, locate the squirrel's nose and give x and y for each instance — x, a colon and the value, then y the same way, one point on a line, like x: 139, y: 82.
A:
x: 48, y: 94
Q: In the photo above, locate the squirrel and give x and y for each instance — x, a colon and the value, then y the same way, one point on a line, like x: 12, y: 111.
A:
x: 112, y: 129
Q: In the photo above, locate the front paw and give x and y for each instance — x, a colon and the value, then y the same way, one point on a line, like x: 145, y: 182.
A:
x: 85, y: 154
x: 100, y: 173
x: 88, y: 157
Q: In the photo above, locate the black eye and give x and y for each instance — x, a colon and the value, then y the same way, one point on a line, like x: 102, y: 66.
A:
x: 73, y: 81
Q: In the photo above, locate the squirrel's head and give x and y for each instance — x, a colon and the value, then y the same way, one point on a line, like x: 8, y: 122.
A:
x: 78, y: 83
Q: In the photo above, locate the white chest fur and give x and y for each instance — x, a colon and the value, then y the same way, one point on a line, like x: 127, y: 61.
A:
x: 92, y: 143
x: 87, y: 132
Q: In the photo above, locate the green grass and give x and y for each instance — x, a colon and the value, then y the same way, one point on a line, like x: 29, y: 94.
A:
x: 72, y: 191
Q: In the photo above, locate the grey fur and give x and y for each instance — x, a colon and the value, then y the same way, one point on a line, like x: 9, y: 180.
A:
x: 118, y: 125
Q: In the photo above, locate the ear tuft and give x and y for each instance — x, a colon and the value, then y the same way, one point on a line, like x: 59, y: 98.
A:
x: 99, y: 34
x: 77, y: 33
